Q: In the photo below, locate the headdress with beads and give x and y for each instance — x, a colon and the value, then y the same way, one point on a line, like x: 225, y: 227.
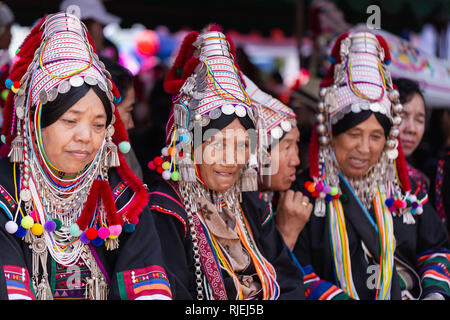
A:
x: 57, y: 55
x: 358, y: 80
x: 274, y: 120
x: 206, y: 83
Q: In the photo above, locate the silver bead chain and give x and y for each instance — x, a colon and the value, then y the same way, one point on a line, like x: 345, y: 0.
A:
x: 195, y: 248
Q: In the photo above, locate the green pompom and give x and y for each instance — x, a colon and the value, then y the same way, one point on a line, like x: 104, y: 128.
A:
x: 334, y: 191
x: 5, y: 94
x: 175, y: 176
x: 124, y: 147
x: 166, y: 165
x: 58, y: 224
x: 75, y: 230
x: 27, y: 222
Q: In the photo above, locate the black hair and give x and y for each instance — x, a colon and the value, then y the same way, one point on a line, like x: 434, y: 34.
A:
x: 121, y: 76
x: 352, y: 119
x: 53, y: 110
x: 407, y: 88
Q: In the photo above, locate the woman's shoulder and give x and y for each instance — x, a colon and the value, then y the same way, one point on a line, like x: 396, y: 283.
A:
x: 164, y: 197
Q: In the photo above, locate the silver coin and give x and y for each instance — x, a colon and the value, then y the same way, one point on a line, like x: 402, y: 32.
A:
x: 375, y: 107
x: 365, y: 106
x: 52, y: 94
x: 90, y: 80
x: 205, y: 120
x: 76, y: 81
x: 109, y: 84
x: 356, y: 108
x: 215, y: 113
x: 25, y: 195
x: 240, y: 111
x: 110, y: 95
x: 392, y: 154
x: 102, y: 86
x: 20, y: 101
x: 20, y: 112
x: 228, y: 109
x: 276, y: 133
x: 107, y: 74
x: 100, y: 62
x: 286, y: 125
x: 64, y: 87
x: 111, y: 130
x: 43, y: 98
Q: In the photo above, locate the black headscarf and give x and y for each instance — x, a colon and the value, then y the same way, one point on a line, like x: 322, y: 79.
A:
x: 53, y: 110
x: 351, y: 120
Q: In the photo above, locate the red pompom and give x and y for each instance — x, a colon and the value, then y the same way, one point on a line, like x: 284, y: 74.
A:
x: 402, y: 170
x: 91, y: 233
x: 385, y: 46
x: 158, y: 161
x: 335, y: 52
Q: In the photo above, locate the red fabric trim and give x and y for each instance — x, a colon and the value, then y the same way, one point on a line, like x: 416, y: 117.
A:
x: 314, y: 148
x: 402, y: 169
x: 140, y: 200
x: 120, y: 133
x: 91, y: 203
x: 385, y: 46
x: 109, y: 205
x: 172, y: 81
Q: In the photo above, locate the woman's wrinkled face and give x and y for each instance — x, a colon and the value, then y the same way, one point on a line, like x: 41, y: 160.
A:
x: 125, y: 109
x: 72, y: 141
x: 222, y: 156
x: 284, y: 161
x: 412, y: 127
x: 359, y: 148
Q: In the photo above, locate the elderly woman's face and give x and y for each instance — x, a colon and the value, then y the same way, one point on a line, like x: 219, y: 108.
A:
x: 72, y: 141
x: 285, y: 159
x: 222, y: 156
x: 412, y: 127
x: 359, y: 148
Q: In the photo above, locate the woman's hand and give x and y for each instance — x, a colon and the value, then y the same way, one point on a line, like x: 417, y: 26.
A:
x: 293, y: 212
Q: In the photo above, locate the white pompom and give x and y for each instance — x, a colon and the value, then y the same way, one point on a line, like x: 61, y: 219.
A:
x: 166, y: 175
x: 11, y: 227
x: 165, y: 151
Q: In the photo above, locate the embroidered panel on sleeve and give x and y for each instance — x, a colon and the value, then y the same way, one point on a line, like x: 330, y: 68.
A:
x: 434, y: 272
x: 18, y: 283
x: 150, y: 283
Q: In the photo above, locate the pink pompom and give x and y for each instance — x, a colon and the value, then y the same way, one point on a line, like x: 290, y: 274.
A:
x: 404, y: 204
x: 34, y: 215
x: 151, y: 165
x: 319, y: 187
x: 115, y: 230
x: 103, y: 233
